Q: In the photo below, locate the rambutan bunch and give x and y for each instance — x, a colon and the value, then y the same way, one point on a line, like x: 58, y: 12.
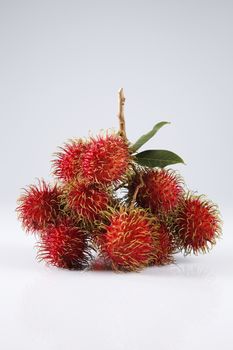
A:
x: 113, y: 207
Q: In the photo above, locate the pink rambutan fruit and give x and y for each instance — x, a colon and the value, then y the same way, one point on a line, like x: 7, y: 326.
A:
x: 197, y: 224
x: 128, y: 239
x: 87, y: 200
x: 106, y: 159
x: 39, y: 206
x: 67, y: 165
x: 161, y: 190
x: 164, y: 246
x: 64, y: 245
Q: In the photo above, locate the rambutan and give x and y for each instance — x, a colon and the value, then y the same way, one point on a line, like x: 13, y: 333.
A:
x: 64, y: 245
x: 106, y: 159
x: 164, y: 246
x: 87, y: 200
x: 197, y: 225
x: 67, y: 166
x: 128, y: 239
x: 161, y: 190
x: 39, y: 206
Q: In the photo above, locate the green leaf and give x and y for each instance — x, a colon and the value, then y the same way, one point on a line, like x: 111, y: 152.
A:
x: 157, y: 158
x: 144, y: 138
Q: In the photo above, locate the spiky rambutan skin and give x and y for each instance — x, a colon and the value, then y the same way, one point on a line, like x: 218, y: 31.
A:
x: 164, y: 246
x: 128, y: 239
x: 197, y: 225
x: 64, y: 245
x: 106, y: 159
x: 161, y: 190
x: 87, y: 200
x: 39, y: 206
x: 67, y: 165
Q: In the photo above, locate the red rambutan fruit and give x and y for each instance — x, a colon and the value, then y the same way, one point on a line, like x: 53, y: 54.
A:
x: 64, y: 245
x: 106, y: 159
x: 39, y: 206
x: 197, y: 225
x: 161, y: 190
x: 88, y: 200
x: 67, y: 166
x: 128, y: 239
x: 164, y: 246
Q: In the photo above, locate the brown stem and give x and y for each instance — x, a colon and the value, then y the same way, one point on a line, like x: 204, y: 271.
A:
x: 140, y: 185
x: 121, y: 114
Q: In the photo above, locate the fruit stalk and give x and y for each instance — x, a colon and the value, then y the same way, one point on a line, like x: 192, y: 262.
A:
x: 121, y: 114
x: 140, y: 185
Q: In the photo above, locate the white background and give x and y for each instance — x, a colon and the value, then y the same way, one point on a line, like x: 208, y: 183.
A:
x: 61, y: 64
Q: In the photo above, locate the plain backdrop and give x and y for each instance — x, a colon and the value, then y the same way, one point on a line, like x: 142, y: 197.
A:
x: 61, y: 65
